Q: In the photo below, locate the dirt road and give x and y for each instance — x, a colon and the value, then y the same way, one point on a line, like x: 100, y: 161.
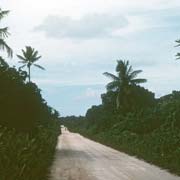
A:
x: 78, y: 158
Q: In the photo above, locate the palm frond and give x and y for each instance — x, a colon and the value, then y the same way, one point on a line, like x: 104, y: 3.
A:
x: 22, y: 58
x: 134, y: 74
x: 37, y: 58
x: 112, y: 76
x: 35, y: 53
x: 24, y: 52
x: 4, y: 32
x: 23, y: 62
x: 138, y: 81
x: 4, y: 46
x: 120, y: 64
x: 177, y: 41
x: 178, y: 56
x: 129, y: 70
x: 112, y: 86
x: 126, y: 63
x: 3, y: 13
x: 122, y: 69
x: 40, y: 67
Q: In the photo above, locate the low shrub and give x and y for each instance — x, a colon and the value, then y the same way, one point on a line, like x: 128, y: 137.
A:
x: 26, y: 156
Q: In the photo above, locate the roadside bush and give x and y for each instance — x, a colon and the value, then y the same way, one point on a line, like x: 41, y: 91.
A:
x: 26, y: 156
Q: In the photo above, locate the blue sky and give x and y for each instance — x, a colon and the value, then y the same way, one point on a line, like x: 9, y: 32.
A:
x: 79, y: 40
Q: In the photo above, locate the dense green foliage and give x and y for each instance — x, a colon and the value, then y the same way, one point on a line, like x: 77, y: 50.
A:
x: 28, y: 126
x: 25, y: 156
x: 21, y: 104
x: 149, y: 128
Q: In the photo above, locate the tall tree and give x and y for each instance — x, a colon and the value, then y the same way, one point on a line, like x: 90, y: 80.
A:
x: 126, y: 77
x: 29, y: 58
x: 4, y: 34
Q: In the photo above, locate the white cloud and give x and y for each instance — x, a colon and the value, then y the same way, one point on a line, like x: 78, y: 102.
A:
x: 89, y: 26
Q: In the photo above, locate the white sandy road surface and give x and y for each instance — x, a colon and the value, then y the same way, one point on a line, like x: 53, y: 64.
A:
x: 78, y: 158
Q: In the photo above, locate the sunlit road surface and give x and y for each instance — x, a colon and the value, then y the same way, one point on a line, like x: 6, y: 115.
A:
x: 78, y: 158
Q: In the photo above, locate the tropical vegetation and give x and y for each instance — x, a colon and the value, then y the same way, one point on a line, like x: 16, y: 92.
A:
x: 144, y: 126
x: 29, y: 58
x: 123, y: 82
x: 4, y: 34
x: 29, y: 127
x: 129, y: 119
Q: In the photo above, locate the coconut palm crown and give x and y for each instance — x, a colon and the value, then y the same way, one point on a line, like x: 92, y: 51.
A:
x: 125, y: 78
x: 29, y: 58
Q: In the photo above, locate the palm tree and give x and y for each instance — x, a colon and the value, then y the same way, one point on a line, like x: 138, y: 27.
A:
x: 4, y: 34
x: 29, y: 58
x: 125, y: 78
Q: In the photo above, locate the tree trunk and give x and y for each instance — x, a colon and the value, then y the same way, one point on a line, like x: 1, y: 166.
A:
x: 29, y: 76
